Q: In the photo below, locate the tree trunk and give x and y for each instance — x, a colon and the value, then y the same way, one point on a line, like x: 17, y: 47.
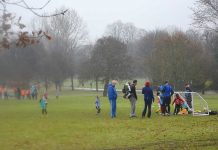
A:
x: 72, y: 83
x: 203, y: 91
x: 105, y: 88
x: 58, y: 85
x: 46, y: 84
x: 96, y: 84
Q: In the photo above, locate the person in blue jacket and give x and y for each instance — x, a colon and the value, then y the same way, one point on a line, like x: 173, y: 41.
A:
x: 148, y: 99
x: 167, y: 92
x: 112, y: 96
x: 43, y: 104
x: 98, y: 105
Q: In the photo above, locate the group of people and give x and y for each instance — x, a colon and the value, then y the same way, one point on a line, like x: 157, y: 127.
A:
x: 20, y: 93
x: 164, y: 94
x: 31, y: 93
x: 181, y: 106
x: 130, y: 93
x: 3, y: 92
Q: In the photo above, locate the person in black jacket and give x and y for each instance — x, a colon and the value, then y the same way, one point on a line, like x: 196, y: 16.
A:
x: 133, y: 98
x: 188, y: 95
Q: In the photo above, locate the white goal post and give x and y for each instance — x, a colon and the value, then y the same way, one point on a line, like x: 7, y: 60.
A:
x: 198, y: 103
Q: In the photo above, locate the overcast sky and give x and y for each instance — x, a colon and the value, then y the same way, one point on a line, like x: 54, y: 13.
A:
x: 97, y: 14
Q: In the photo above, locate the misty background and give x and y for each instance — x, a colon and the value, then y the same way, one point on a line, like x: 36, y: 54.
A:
x: 99, y: 41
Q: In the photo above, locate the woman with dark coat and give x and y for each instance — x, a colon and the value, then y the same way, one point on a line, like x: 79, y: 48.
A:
x: 148, y: 99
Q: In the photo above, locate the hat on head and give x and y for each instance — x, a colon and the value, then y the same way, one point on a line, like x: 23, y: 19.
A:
x: 147, y: 83
x: 134, y: 81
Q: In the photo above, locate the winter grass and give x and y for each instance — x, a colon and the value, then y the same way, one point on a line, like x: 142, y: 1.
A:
x: 72, y: 123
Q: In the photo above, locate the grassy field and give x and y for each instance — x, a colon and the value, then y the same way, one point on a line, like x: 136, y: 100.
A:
x: 72, y: 123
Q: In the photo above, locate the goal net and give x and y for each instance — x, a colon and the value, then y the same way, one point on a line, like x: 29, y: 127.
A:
x: 196, y: 104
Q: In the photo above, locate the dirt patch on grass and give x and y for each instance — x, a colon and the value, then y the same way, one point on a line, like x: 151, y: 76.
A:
x: 172, y: 145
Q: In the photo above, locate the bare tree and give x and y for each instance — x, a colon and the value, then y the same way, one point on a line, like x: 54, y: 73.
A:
x: 82, y: 62
x: 211, y: 43
x: 205, y: 14
x: 34, y: 10
x: 23, y: 64
x: 125, y: 32
x: 110, y: 61
x: 176, y: 56
x: 68, y: 32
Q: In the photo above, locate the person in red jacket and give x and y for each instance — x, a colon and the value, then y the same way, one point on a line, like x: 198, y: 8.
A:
x: 28, y: 94
x: 22, y: 92
x: 1, y: 91
x: 178, y: 104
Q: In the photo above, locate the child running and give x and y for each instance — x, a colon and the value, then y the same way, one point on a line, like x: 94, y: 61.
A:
x: 97, y: 105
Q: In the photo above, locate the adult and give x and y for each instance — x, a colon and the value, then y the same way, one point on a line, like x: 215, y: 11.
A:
x: 167, y: 92
x: 188, y: 96
x: 22, y: 92
x: 18, y: 93
x: 112, y: 96
x: 5, y: 93
x: 34, y: 92
x: 148, y: 99
x: 57, y: 93
x: 1, y: 91
x: 28, y: 94
x: 133, y: 98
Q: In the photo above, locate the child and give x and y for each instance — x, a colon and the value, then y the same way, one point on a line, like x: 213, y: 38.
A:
x: 178, y: 104
x: 22, y: 92
x: 97, y: 104
x: 28, y: 94
x: 43, y: 103
x: 159, y: 103
x: 186, y: 106
x: 57, y: 93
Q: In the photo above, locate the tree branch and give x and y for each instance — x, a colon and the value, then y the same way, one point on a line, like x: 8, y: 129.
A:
x: 23, y: 4
x: 205, y: 14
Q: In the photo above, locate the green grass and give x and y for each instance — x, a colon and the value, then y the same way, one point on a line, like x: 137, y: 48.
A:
x: 72, y: 123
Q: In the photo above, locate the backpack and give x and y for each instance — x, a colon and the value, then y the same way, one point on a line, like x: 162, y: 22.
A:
x: 124, y: 90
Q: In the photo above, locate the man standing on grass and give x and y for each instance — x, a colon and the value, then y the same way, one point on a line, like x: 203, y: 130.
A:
x: 167, y: 92
x: 112, y: 96
x: 188, y: 96
x: 133, y: 99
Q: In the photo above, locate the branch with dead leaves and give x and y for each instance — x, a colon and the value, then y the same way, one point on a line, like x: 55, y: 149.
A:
x: 9, y: 22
